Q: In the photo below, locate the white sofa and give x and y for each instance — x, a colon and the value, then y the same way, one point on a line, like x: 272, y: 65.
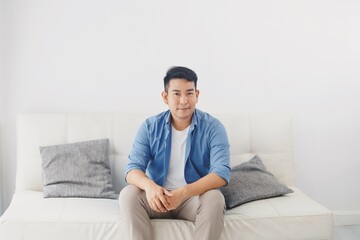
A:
x: 31, y: 217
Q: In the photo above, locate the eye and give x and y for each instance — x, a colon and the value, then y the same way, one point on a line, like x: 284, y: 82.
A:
x: 190, y: 93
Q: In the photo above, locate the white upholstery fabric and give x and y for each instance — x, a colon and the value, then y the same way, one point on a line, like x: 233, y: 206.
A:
x: 292, y: 217
x: 248, y: 134
x: 30, y: 216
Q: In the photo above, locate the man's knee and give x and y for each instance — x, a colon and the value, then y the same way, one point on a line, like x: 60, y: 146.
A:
x: 129, y: 195
x: 214, y: 200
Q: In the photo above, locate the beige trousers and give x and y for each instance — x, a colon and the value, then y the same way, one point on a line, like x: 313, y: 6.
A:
x: 206, y: 211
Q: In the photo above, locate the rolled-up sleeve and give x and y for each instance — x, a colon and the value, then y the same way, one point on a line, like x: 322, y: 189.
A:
x: 220, y: 152
x: 139, y: 156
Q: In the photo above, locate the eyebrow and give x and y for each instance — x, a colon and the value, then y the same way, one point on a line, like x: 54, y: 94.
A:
x: 189, y: 90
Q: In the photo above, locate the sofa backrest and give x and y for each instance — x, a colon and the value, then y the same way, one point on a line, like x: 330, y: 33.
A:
x: 268, y: 135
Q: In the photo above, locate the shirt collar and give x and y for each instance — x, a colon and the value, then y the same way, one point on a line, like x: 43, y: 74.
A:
x: 194, y: 119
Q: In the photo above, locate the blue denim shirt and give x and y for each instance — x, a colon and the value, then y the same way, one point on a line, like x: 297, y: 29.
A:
x: 207, y: 148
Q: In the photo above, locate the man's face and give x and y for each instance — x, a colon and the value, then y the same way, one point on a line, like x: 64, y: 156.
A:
x: 181, y: 97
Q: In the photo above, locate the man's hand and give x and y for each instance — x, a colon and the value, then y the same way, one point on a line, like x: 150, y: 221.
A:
x: 175, y: 198
x: 156, y: 197
x: 161, y: 200
x: 210, y: 181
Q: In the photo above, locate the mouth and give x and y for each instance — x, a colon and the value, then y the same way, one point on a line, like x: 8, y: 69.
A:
x: 183, y: 109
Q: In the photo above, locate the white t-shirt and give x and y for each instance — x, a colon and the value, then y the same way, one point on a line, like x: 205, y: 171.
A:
x: 175, y: 177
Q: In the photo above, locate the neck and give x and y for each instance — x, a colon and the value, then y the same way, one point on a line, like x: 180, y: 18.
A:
x: 180, y: 124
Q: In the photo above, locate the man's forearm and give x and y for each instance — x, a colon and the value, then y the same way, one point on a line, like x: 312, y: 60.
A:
x: 155, y: 194
x: 139, y: 179
x: 210, y: 181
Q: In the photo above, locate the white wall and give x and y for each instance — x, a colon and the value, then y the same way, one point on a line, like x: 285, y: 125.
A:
x: 1, y: 110
x: 301, y: 57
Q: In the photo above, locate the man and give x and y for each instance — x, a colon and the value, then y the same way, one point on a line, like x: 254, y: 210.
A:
x: 178, y: 161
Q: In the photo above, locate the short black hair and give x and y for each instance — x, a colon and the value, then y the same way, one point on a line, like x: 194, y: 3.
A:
x: 179, y: 72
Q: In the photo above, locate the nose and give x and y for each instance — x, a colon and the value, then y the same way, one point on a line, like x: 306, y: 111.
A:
x: 183, y: 99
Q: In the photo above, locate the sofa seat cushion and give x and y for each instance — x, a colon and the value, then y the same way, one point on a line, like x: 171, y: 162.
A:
x: 34, y: 217
x: 293, y: 216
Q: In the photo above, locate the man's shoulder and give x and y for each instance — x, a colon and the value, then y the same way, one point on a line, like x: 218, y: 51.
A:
x: 158, y: 118
x: 205, y: 117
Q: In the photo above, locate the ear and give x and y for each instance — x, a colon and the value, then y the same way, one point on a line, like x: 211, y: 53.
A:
x: 164, y: 96
x: 197, y: 93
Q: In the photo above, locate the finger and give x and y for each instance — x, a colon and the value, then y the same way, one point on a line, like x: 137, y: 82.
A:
x: 153, y: 207
x: 165, y: 202
x: 167, y: 193
x: 160, y: 206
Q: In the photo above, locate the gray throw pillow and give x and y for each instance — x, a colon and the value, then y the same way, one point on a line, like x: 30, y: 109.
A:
x: 250, y: 181
x: 77, y: 170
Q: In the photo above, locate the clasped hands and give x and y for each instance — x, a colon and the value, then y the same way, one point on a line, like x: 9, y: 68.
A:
x: 162, y: 200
